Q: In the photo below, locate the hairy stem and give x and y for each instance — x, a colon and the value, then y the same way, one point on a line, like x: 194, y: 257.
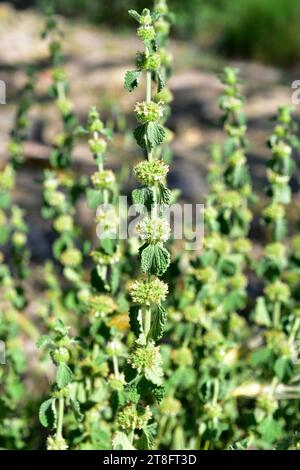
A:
x: 61, y: 406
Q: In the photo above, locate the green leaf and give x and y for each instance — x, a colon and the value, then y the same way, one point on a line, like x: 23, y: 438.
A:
x: 159, y: 319
x: 47, y: 413
x: 140, y: 135
x: 261, y: 356
x: 155, y: 259
x: 155, y: 134
x: 121, y: 442
x: 76, y: 410
x: 154, y: 374
x: 282, y: 367
x: 261, y: 314
x: 64, y: 375
x: 136, y: 322
x: 160, y: 82
x: 5, y: 200
x: 44, y: 340
x: 94, y: 198
x: 164, y: 195
x: 4, y: 234
x: 149, y: 135
x: 270, y: 430
x: 131, y: 80
x: 135, y: 15
x: 143, y: 197
x: 80, y: 130
x: 146, y: 441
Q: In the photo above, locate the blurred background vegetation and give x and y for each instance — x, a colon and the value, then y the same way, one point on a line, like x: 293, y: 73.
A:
x: 261, y: 30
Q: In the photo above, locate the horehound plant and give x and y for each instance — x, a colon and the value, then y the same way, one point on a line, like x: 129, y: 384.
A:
x: 278, y: 308
x: 14, y: 268
x: 12, y: 218
x: 147, y: 315
x: 61, y: 187
x: 214, y: 292
x: 227, y: 218
x: 52, y: 411
x: 100, y: 375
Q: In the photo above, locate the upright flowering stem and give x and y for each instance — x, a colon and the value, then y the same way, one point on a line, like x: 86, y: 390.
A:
x: 61, y: 187
x: 147, y: 315
x: 278, y: 309
x: 51, y: 414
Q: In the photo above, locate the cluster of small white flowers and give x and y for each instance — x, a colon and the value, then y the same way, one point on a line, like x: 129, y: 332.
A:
x: 153, y: 230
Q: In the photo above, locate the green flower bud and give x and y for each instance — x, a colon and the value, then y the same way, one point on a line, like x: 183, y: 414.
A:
x: 276, y: 178
x: 235, y: 131
x: 165, y: 96
x: 285, y: 114
x: 7, y: 178
x: 267, y: 403
x: 83, y: 295
x: 151, y: 173
x: 131, y: 418
x: 230, y: 199
x: 148, y: 62
x: 65, y: 106
x: 116, y: 384
x: 195, y: 314
x: 213, y: 410
x: 97, y: 145
x: 206, y: 275
x: 161, y: 7
x: 19, y: 239
x: 103, y: 179
x: 56, y: 443
x: 71, y: 257
x: 170, y: 406
x: 63, y: 223
x: 281, y: 150
x: 145, y: 357
x: 56, y: 198
x: 60, y: 355
x: 278, y: 292
x: 275, y: 251
x: 146, y: 32
x: 182, y: 357
x: 230, y: 76
x: 153, y: 291
x: 217, y: 243
x: 166, y: 57
x: 59, y: 75
x: 162, y: 26
x: 237, y: 159
x: 148, y: 112
x: 101, y: 305
x: 242, y: 245
x: 273, y: 212
x: 114, y: 348
x: 231, y: 103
